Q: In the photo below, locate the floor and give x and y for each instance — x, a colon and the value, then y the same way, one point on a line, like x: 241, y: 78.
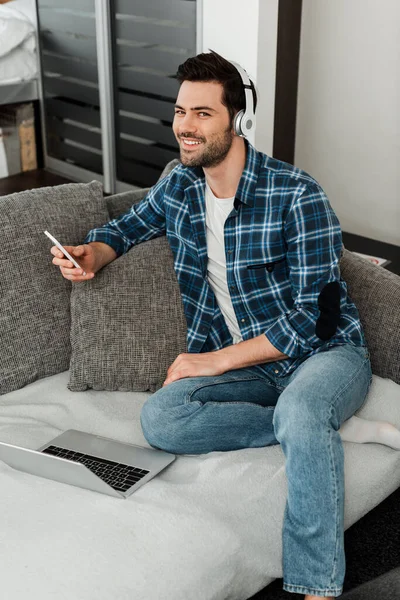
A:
x: 371, y: 546
x: 29, y: 180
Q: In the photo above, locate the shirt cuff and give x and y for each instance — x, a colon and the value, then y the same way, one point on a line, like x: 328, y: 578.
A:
x: 107, y: 237
x: 286, y: 339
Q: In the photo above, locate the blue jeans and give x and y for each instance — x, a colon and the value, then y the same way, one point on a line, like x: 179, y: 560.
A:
x: 303, y: 411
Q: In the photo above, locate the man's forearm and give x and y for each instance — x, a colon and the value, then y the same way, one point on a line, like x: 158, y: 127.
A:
x: 249, y: 353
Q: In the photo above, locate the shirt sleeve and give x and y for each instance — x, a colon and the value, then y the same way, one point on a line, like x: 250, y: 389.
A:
x: 144, y: 221
x: 314, y: 242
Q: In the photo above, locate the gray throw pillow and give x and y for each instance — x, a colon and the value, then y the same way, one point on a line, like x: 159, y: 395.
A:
x: 34, y: 297
x: 376, y: 293
x: 127, y: 323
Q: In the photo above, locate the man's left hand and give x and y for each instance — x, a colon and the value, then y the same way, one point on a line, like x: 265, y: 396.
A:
x: 195, y: 365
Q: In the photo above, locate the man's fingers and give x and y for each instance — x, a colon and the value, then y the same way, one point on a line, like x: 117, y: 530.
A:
x: 61, y: 261
x: 171, y: 379
x: 178, y: 359
x: 71, y: 270
x: 79, y: 250
x: 76, y: 274
x: 56, y: 251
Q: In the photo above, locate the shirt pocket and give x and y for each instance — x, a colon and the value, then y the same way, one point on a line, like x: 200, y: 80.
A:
x: 270, y: 266
x: 268, y: 274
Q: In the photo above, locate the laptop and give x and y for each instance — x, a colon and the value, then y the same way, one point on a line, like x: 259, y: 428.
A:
x: 90, y: 461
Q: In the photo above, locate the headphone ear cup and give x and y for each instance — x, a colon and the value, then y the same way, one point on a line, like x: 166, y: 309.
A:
x: 237, y: 123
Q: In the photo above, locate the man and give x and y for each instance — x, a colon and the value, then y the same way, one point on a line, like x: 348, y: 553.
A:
x: 276, y: 350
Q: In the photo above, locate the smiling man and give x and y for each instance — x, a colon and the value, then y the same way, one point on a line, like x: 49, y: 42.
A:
x: 276, y: 349
x: 210, y: 142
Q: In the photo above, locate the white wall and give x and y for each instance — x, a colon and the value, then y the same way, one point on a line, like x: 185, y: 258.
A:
x: 348, y: 118
x: 247, y: 33
x: 266, y: 71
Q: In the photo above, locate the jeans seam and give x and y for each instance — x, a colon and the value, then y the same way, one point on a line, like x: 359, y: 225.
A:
x: 350, y: 381
x: 336, y: 499
x: 335, y: 491
x: 189, y: 395
x: 302, y: 589
x: 238, y: 402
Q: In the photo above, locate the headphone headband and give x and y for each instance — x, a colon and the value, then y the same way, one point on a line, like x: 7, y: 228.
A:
x: 245, y: 120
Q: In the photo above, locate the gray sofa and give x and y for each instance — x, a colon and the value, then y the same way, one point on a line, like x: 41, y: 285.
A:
x: 86, y: 357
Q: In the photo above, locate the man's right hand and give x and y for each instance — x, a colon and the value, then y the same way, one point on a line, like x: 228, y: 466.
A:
x: 91, y: 257
x: 85, y: 257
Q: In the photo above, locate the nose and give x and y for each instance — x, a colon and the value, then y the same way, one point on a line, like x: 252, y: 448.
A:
x: 187, y: 124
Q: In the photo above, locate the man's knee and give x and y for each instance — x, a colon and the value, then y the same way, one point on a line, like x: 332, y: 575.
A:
x: 299, y: 420
x: 152, y: 420
x: 162, y: 419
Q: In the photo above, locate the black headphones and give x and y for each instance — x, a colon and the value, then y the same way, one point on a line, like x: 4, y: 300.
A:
x: 245, y: 121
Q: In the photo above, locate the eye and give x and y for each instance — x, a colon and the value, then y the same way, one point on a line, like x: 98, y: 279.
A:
x: 179, y: 112
x: 203, y: 114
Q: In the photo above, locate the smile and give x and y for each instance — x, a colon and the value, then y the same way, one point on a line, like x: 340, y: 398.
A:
x: 190, y: 143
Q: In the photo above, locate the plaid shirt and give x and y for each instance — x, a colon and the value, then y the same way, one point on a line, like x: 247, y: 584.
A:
x: 282, y: 246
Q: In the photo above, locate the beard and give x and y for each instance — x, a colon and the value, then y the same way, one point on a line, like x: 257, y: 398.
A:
x: 212, y: 154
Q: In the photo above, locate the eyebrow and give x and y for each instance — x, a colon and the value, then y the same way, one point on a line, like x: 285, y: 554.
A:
x: 198, y: 108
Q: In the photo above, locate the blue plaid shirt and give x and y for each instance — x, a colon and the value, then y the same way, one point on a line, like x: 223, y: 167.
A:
x: 282, y: 246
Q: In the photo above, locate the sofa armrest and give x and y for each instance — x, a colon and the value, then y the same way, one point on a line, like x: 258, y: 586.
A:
x: 376, y: 293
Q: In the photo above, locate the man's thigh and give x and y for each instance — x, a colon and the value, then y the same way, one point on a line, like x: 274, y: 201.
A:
x: 239, y: 385
x: 227, y: 412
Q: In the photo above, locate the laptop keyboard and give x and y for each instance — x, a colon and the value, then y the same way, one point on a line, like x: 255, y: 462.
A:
x: 119, y: 476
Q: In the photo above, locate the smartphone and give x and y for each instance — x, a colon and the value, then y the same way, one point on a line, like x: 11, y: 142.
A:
x: 63, y: 250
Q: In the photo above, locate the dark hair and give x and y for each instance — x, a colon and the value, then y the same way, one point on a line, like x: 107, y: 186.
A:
x: 211, y: 66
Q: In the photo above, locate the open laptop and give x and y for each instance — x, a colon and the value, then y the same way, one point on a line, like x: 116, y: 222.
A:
x: 90, y: 461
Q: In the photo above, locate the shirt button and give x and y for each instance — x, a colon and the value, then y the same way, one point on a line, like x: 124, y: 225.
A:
x: 230, y: 251
x: 243, y: 320
x: 276, y: 371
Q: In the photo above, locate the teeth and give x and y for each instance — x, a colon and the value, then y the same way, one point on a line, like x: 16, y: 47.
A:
x: 191, y: 143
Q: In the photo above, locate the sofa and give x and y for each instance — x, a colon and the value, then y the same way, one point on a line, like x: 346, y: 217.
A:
x: 86, y: 356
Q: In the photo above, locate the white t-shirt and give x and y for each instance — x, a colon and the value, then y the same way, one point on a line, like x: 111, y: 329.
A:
x: 217, y: 210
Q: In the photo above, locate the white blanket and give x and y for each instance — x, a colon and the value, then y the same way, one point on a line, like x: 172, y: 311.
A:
x: 207, y: 528
x: 19, y: 65
x: 18, y: 60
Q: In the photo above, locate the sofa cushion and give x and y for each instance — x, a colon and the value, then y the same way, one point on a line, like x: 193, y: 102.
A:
x: 376, y: 293
x: 34, y: 297
x: 212, y: 523
x: 127, y: 324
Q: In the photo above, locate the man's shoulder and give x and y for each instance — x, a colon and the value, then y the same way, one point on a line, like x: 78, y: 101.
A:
x: 283, y: 172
